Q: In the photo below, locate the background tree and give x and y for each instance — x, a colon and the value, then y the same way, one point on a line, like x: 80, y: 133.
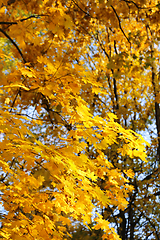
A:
x: 63, y: 152
x: 127, y: 60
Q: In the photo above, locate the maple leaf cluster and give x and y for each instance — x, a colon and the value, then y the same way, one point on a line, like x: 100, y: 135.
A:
x: 74, y: 75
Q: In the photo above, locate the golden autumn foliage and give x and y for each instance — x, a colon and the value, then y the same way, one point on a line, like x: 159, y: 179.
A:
x: 75, y: 76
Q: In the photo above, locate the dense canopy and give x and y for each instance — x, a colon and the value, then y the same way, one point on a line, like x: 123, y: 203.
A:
x: 79, y: 85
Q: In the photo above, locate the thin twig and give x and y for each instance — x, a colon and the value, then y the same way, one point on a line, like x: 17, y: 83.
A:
x: 23, y: 19
x: 119, y: 21
x: 81, y: 9
x: 102, y: 47
x: 127, y: 1
x: 11, y: 40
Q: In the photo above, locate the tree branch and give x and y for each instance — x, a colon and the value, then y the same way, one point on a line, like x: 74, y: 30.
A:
x: 23, y: 19
x: 11, y: 40
x: 120, y: 24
